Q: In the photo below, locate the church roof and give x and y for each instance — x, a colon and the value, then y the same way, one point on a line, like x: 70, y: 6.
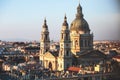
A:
x: 91, y: 54
x: 51, y: 54
x: 54, y: 53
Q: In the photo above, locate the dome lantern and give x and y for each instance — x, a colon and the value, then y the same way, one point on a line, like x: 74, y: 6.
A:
x: 79, y: 12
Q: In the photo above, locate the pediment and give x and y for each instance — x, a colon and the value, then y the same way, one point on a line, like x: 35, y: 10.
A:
x: 49, y: 54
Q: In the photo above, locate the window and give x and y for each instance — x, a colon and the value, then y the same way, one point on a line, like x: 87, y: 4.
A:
x: 89, y: 43
x: 76, y: 42
x: 81, y: 43
x: 66, y: 36
x: 46, y: 50
x: 67, y: 45
x: 67, y: 65
x: 62, y: 35
x: 46, y: 36
x: 67, y: 53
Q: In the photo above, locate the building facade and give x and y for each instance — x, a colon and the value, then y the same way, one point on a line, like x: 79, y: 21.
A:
x: 76, y: 46
x: 80, y: 36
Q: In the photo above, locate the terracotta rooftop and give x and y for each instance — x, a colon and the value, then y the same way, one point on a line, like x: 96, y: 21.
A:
x: 74, y: 69
x: 117, y: 57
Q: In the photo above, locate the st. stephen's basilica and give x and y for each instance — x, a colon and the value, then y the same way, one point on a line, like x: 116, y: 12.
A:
x: 75, y: 46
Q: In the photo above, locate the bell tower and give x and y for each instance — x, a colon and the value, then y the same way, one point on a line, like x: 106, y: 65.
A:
x: 64, y: 58
x: 44, y: 41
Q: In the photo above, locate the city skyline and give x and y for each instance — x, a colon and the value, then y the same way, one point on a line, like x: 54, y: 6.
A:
x: 24, y: 19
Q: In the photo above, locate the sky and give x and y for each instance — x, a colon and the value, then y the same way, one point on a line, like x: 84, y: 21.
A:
x: 23, y: 19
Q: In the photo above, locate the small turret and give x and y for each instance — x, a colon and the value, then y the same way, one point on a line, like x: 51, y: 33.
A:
x: 45, y: 24
x: 65, y: 21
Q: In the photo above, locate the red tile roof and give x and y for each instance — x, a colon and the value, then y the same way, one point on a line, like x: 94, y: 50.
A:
x: 117, y: 57
x: 74, y: 69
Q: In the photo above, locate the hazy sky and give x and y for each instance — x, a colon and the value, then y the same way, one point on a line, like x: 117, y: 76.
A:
x: 23, y: 19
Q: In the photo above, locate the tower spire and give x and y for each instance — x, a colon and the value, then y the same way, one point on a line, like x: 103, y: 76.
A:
x: 65, y: 18
x: 45, y: 23
x: 65, y: 21
x: 45, y: 20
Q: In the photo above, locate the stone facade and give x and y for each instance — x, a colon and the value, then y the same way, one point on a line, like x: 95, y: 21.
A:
x: 75, y: 44
x: 80, y: 36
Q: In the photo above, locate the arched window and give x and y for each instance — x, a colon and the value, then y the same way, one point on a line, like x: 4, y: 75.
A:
x: 67, y: 53
x: 46, y: 36
x: 76, y: 42
x: 62, y: 35
x: 50, y: 65
x: 81, y: 43
x: 46, y: 50
x: 66, y: 36
x: 67, y: 45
